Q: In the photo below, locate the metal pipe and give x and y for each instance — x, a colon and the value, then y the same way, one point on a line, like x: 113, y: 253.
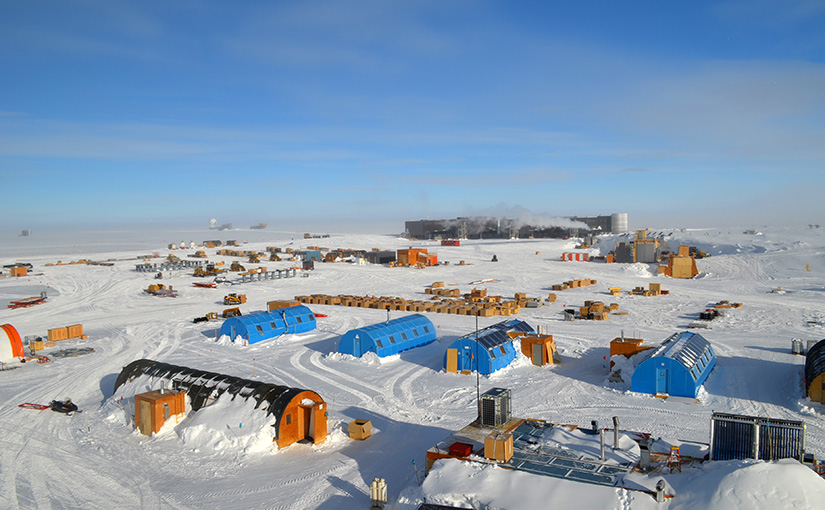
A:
x: 601, y: 444
x: 755, y: 442
x: 660, y: 491
x: 615, y: 432
x: 712, y: 427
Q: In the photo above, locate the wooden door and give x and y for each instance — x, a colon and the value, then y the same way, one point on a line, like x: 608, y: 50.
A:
x: 145, y: 424
x: 452, y: 360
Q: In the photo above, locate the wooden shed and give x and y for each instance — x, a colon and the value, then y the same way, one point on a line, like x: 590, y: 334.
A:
x: 19, y: 270
x: 682, y: 265
x: 541, y: 349
x: 153, y: 408
x: 409, y: 256
x: 626, y: 347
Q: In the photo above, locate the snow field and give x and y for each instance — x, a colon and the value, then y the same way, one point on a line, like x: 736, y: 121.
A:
x: 95, y: 460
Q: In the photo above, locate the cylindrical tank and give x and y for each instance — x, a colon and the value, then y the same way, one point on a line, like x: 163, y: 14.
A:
x: 796, y: 346
x: 619, y: 223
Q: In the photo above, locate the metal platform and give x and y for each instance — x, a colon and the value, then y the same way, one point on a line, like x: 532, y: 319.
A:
x: 559, y: 462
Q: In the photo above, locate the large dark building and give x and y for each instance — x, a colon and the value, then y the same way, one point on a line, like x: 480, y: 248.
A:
x: 488, y: 227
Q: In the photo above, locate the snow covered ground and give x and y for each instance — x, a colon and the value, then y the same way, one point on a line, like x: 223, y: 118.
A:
x: 94, y: 459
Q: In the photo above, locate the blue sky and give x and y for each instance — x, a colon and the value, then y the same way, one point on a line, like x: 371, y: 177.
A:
x: 354, y: 116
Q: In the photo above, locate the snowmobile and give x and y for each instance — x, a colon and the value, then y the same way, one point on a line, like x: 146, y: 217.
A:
x: 66, y: 406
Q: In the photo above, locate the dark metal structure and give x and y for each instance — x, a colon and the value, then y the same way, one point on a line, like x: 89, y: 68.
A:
x: 204, y: 387
x: 380, y: 257
x: 738, y: 437
x: 815, y: 372
x: 495, y: 407
x: 489, y: 227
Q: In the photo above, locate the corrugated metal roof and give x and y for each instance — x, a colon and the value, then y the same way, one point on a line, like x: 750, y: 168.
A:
x: 815, y: 362
x: 685, y: 347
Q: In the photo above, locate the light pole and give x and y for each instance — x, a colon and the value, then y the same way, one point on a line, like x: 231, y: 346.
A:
x: 478, y: 369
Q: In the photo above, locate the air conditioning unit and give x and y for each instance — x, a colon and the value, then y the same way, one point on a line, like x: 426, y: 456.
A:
x: 495, y: 407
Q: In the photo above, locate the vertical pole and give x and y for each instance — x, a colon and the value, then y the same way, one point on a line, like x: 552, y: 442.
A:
x: 712, y: 427
x: 478, y: 370
x: 755, y: 441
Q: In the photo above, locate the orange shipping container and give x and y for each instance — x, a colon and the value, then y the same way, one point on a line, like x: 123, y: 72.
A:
x: 57, y: 334
x: 75, y: 331
x: 277, y: 305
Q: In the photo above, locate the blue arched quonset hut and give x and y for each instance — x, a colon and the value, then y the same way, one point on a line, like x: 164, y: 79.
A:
x: 388, y: 338
x: 495, y: 348
x: 259, y: 326
x: 678, y: 367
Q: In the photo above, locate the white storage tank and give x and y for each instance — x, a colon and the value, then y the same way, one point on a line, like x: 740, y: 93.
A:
x: 619, y: 223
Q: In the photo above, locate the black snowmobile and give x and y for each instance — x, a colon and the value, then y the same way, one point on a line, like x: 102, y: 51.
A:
x: 65, y: 406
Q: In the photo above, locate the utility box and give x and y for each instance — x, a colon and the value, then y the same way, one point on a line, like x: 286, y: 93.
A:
x: 495, y: 407
x: 360, y: 429
x: 153, y: 408
x: 498, y: 446
x: 459, y: 449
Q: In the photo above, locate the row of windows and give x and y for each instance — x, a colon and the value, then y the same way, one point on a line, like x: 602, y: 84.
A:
x: 275, y: 326
x: 380, y: 344
x: 703, y: 361
x: 493, y: 352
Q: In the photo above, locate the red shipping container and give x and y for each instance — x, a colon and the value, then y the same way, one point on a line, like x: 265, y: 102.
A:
x: 461, y: 449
